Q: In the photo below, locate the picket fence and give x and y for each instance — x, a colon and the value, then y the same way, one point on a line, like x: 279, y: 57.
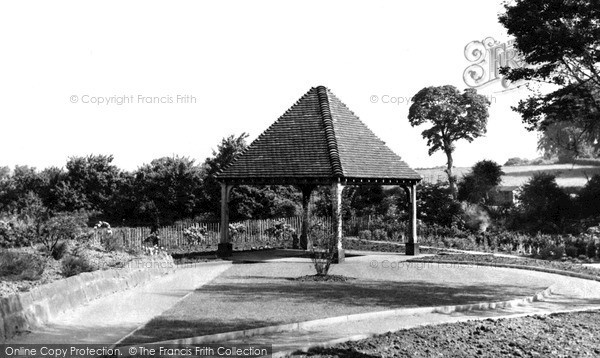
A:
x: 253, y: 235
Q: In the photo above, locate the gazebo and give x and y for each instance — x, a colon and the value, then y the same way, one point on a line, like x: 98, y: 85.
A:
x: 318, y: 142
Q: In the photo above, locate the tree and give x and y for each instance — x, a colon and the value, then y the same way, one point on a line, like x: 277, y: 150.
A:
x: 476, y: 186
x: 543, y: 204
x: 90, y: 183
x: 246, y: 202
x: 565, y: 140
x: 560, y: 42
x: 453, y: 116
x: 168, y: 189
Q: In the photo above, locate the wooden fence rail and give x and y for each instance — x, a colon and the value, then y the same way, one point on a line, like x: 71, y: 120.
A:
x: 253, y: 234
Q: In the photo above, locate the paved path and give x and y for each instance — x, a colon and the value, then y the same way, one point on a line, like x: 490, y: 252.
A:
x: 109, y: 319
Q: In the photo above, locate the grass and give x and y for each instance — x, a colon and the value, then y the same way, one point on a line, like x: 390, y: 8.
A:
x: 567, y: 175
x: 257, y: 295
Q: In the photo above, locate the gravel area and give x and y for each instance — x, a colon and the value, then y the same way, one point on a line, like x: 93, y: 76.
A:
x: 556, y: 335
x: 490, y: 259
x: 263, y: 294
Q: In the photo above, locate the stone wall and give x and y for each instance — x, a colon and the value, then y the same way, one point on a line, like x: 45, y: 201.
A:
x: 24, y: 311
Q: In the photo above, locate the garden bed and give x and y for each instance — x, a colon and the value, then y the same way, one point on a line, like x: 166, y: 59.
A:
x: 366, y: 245
x: 513, y: 261
x: 32, y: 268
x: 556, y: 335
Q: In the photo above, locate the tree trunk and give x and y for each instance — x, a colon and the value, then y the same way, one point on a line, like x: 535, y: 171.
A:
x: 451, y: 177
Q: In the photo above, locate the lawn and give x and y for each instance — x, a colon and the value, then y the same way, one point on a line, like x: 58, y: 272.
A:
x: 263, y: 294
x: 567, y: 175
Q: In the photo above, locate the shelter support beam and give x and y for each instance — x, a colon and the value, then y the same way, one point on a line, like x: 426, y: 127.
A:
x: 305, y: 240
x: 225, y: 248
x: 336, y: 197
x: 412, y: 245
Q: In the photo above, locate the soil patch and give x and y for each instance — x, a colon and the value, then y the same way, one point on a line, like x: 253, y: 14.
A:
x: 556, y: 335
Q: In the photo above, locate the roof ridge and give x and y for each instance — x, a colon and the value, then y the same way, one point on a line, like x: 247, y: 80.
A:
x: 334, y: 154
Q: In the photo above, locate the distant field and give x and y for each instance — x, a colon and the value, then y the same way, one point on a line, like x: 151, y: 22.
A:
x: 567, y: 175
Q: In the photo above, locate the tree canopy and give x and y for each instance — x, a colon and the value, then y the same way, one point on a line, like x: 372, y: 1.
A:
x: 452, y: 115
x: 560, y: 42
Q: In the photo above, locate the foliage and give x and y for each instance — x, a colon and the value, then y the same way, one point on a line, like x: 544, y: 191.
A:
x: 60, y: 227
x: 280, y: 231
x: 246, y: 202
x: 477, y: 186
x: 168, y: 189
x: 543, y: 205
x: 60, y: 250
x: 565, y: 141
x: 435, y: 204
x: 21, y: 266
x: 324, y: 245
x: 453, y: 116
x: 589, y: 198
x: 195, y: 235
x: 74, y: 265
x: 364, y: 234
x: 560, y: 42
x: 236, y: 229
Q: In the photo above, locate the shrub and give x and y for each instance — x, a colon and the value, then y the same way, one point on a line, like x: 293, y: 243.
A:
x: 543, y: 204
x: 280, y: 231
x: 324, y: 246
x: 435, y: 204
x: 364, y: 235
x: 552, y: 252
x: 195, y: 235
x: 591, y: 249
x: 572, y: 251
x: 60, y: 250
x: 589, y: 196
x: 21, y: 266
x: 379, y: 235
x: 74, y: 265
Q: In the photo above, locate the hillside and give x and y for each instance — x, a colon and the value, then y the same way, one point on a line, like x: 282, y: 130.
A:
x: 567, y: 175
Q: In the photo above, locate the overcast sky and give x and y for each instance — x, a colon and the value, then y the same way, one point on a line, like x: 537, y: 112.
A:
x: 243, y: 62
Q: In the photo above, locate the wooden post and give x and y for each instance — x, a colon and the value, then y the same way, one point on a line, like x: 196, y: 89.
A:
x: 412, y: 246
x: 305, y: 240
x: 225, y: 248
x: 336, y: 197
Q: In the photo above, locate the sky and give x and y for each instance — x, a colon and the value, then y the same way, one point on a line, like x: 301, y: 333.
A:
x: 227, y: 67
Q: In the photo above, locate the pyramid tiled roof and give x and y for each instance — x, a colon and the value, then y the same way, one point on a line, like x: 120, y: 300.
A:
x: 318, y: 139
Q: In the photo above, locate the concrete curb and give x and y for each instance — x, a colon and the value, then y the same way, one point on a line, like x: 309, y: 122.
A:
x: 290, y: 327
x: 521, y: 267
x: 358, y: 337
x: 23, y: 311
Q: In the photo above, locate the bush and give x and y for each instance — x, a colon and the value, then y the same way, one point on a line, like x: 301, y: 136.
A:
x: 21, y: 266
x: 435, y: 204
x: 74, y: 265
x: 364, y: 235
x: 589, y: 197
x: 572, y: 251
x: 380, y: 235
x: 544, y: 206
x: 195, y: 235
x: 324, y: 246
x: 60, y: 250
x: 552, y: 252
x: 475, y: 217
